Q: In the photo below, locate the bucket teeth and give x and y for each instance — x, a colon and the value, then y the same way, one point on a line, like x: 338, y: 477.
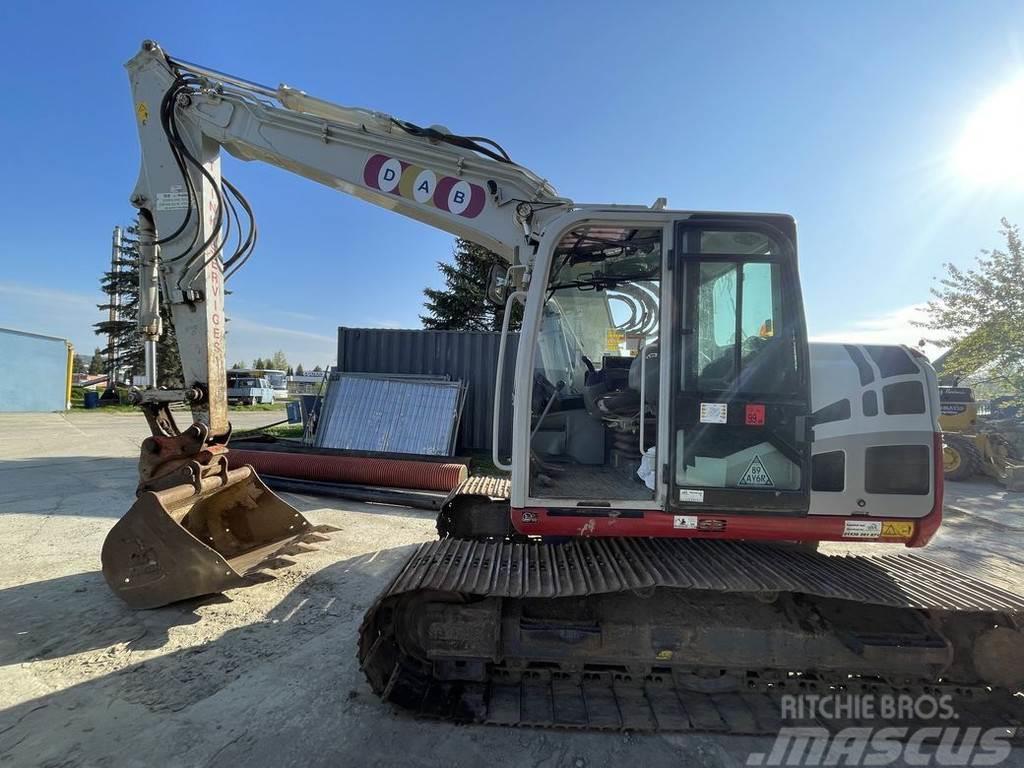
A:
x: 314, y: 538
x: 297, y: 549
x: 324, y: 529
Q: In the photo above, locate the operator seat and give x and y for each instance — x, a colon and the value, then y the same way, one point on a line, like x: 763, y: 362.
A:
x: 615, y: 393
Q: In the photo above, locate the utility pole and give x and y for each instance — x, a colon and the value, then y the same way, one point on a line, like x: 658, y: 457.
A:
x: 114, y: 316
x: 149, y: 297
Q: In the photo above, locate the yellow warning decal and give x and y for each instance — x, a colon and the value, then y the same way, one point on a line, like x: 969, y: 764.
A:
x: 664, y: 656
x: 896, y: 529
x: 142, y: 112
x: 612, y: 340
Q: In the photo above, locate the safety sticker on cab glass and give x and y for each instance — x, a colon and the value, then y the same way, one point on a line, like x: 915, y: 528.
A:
x: 714, y: 413
x: 754, y: 415
x: 756, y: 476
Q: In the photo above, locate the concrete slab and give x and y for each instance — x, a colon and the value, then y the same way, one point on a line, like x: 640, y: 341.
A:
x: 265, y: 676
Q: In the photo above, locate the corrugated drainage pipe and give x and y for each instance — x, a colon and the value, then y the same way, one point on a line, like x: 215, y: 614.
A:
x: 387, y: 473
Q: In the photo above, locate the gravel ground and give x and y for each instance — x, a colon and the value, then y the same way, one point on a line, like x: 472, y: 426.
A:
x: 267, y: 676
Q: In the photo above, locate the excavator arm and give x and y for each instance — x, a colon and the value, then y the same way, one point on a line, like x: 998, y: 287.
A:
x: 186, y: 113
x: 198, y: 526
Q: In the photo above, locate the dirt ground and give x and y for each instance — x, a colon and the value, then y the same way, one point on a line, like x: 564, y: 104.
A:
x: 267, y: 676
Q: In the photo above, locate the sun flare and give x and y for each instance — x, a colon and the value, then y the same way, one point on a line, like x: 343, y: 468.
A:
x: 991, y: 149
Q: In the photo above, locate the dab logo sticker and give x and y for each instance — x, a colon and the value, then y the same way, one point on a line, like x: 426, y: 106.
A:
x: 756, y: 476
x: 421, y: 185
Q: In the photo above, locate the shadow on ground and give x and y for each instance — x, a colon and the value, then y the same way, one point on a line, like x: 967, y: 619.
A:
x: 72, y: 614
x: 306, y: 503
x: 68, y: 485
x: 284, y: 677
x: 287, y: 690
x: 986, y: 548
x: 282, y: 690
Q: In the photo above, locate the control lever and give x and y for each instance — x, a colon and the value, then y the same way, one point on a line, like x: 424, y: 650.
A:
x: 547, y: 407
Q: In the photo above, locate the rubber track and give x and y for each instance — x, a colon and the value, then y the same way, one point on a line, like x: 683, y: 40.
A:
x: 655, y: 704
x: 654, y: 701
x: 596, y: 566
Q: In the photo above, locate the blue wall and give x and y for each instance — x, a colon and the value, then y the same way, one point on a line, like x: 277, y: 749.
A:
x: 33, y: 372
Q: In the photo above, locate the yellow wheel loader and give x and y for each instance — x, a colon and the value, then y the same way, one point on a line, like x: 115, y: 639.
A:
x: 978, y: 445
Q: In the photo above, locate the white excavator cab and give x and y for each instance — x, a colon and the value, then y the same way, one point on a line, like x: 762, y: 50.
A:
x: 677, y: 339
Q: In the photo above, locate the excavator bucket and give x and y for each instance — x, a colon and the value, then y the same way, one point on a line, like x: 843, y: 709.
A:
x: 202, y: 538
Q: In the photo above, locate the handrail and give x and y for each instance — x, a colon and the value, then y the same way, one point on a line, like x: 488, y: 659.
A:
x: 643, y: 391
x: 496, y: 414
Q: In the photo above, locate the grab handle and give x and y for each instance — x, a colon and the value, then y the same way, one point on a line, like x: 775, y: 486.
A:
x: 496, y: 415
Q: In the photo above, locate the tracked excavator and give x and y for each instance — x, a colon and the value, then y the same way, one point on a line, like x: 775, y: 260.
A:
x: 678, y: 447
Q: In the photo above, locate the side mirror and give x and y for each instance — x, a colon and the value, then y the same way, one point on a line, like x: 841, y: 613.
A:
x: 497, y: 285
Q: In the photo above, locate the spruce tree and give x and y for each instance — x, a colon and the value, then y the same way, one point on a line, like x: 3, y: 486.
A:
x: 279, y: 362
x: 127, y: 343
x: 96, y: 364
x: 462, y: 305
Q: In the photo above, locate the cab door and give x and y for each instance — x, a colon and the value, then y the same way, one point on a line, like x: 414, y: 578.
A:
x: 740, y: 400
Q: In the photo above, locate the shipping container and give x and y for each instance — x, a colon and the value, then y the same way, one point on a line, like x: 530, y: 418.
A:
x: 467, y: 356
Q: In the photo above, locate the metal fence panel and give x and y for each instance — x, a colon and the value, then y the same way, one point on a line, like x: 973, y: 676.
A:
x: 390, y: 415
x: 471, y: 356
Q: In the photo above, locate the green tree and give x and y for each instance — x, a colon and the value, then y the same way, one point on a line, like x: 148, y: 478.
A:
x: 318, y: 369
x: 299, y: 371
x: 462, y: 305
x: 122, y: 289
x: 78, y: 365
x: 289, y: 371
x: 96, y: 365
x: 278, y: 362
x: 978, y: 315
x: 258, y: 363
x: 238, y: 366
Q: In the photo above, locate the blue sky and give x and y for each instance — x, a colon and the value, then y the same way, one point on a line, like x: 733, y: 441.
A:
x: 842, y: 114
